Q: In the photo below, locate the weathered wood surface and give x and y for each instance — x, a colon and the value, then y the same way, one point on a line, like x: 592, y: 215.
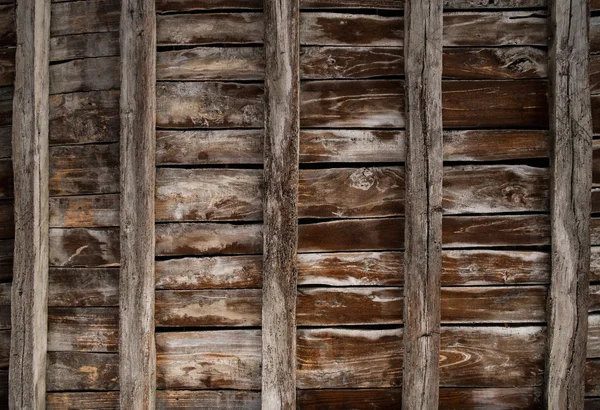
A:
x: 324, y: 63
x: 592, y: 377
x: 6, y: 259
x: 137, y: 351
x: 87, y: 74
x: 6, y: 179
x: 571, y: 182
x: 79, y: 17
x: 593, y: 337
x: 83, y: 329
x: 8, y: 35
x: 87, y: 400
x: 79, y: 287
x: 84, y: 45
x: 27, y: 314
x: 6, y: 105
x: 81, y: 371
x: 245, y: 146
x: 280, y: 203
x: 7, y: 66
x: 515, y: 28
x: 7, y: 220
x: 84, y: 247
x: 189, y: 5
x: 86, y: 117
x: 84, y: 169
x: 423, y: 226
x: 84, y: 211
x: 350, y: 104
x: 209, y: 399
x: 5, y: 142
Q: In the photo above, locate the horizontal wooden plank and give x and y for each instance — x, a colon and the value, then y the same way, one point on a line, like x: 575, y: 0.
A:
x: 345, y: 104
x: 86, y: 400
x: 7, y: 66
x: 4, y: 349
x: 209, y: 399
x: 595, y: 230
x: 83, y: 329
x: 5, y: 142
x: 6, y: 106
x: 84, y: 211
x: 488, y: 104
x: 6, y: 258
x: 492, y: 356
x: 84, y: 169
x: 84, y: 247
x: 209, y: 105
x: 245, y: 146
x: 90, y: 16
x: 7, y: 219
x: 85, y: 117
x: 594, y: 70
x: 595, y: 264
x: 6, y: 179
x: 80, y: 287
x: 84, y: 46
x: 510, y: 398
x: 82, y: 371
x: 348, y: 358
x: 593, y: 337
x: 86, y: 74
x: 8, y: 35
x: 5, y: 319
x: 592, y: 377
x: 228, y: 359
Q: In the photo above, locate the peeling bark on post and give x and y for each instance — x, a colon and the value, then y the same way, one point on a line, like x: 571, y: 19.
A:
x: 280, y: 204
x: 423, y: 229
x: 571, y: 183
x: 138, y: 76
x: 27, y: 371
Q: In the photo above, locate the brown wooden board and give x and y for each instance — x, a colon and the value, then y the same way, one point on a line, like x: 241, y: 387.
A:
x: 86, y: 74
x: 79, y: 287
x: 5, y: 142
x: 83, y: 371
x: 84, y: 247
x: 78, y: 400
x: 7, y: 66
x: 84, y: 45
x: 83, y: 329
x: 84, y: 211
x: 78, y: 17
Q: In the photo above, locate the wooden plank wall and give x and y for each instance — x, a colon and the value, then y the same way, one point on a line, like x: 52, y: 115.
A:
x: 7, y: 232
x: 83, y: 311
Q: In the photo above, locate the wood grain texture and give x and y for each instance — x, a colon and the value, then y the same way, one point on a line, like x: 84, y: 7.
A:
x: 571, y: 128
x: 85, y: 117
x: 7, y: 179
x: 5, y: 142
x: 84, y: 247
x: 87, y: 74
x: 79, y: 17
x: 82, y: 371
x: 137, y: 352
x: 83, y: 329
x: 423, y: 226
x: 88, y: 400
x: 87, y: 45
x: 83, y: 287
x: 210, y: 399
x: 6, y: 258
x: 280, y: 203
x: 84, y: 211
x: 8, y: 32
x: 7, y: 66
x: 593, y: 337
x: 28, y: 318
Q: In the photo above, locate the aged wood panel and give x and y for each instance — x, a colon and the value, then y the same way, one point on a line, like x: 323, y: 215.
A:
x: 86, y: 74
x: 82, y: 371
x: 84, y: 46
x: 592, y: 377
x: 7, y: 220
x: 511, y: 398
x: 280, y: 203
x: 362, y: 104
x: 209, y: 105
x: 84, y: 247
x: 84, y: 169
x: 6, y: 179
x: 83, y: 287
x: 6, y: 259
x: 4, y: 348
x: 86, y: 400
x: 5, y: 142
x: 219, y: 399
x: 495, y: 145
x: 508, y: 104
x: 571, y: 182
x: 423, y: 226
x: 86, y: 117
x: 90, y: 16
x: 137, y: 351
x: 492, y: 356
x: 7, y: 66
x: 337, y: 399
x: 83, y: 329
x: 322, y: 63
x: 593, y: 337
x: 27, y: 314
x: 227, y: 359
x: 84, y: 211
x: 349, y: 358
x: 8, y: 35
x: 594, y: 74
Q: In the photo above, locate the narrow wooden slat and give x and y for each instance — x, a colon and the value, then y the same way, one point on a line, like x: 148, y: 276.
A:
x: 593, y: 337
x: 423, y: 227
x: 83, y: 287
x: 82, y: 371
x: 210, y: 399
x: 8, y: 35
x: 83, y: 329
x: 78, y: 17
x: 87, y: 74
x: 76, y: 400
x: 280, y: 203
x: 5, y: 142
x: 84, y: 211
x: 101, y: 247
x: 6, y: 259
x: 7, y: 179
x: 571, y: 129
x: 84, y: 45
x: 7, y: 66
x: 28, y: 318
x: 7, y: 217
x: 137, y: 354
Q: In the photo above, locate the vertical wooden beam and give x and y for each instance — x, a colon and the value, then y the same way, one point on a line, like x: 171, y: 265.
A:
x: 136, y: 301
x: 27, y: 367
x: 423, y: 234
x: 571, y: 182
x: 280, y: 204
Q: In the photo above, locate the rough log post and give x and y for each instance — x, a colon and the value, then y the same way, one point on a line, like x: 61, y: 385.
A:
x: 571, y: 182
x: 27, y: 367
x: 280, y: 204
x: 423, y: 229
x: 138, y: 99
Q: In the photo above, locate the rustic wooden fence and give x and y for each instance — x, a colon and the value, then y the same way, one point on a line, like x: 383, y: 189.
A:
x: 313, y: 204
